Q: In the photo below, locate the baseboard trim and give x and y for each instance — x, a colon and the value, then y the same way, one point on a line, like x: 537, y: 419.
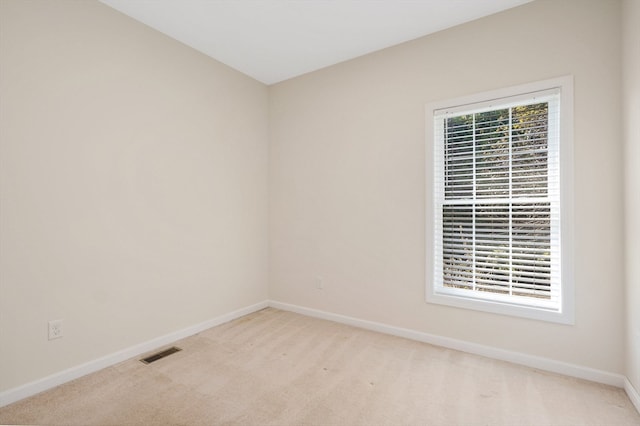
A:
x: 633, y: 394
x: 532, y: 361
x: 12, y: 395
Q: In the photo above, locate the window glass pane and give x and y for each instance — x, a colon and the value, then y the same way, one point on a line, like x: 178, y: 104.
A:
x: 530, y: 156
x: 492, y: 248
x: 457, y: 246
x: 532, y: 250
x: 492, y: 154
x: 459, y: 157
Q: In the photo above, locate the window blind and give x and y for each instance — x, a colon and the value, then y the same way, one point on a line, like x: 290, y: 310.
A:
x: 497, y: 200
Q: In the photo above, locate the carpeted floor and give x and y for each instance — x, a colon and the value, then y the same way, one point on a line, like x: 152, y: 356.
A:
x: 279, y: 368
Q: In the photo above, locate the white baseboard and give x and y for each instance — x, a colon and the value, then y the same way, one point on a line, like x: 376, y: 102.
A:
x: 633, y: 394
x: 532, y: 361
x: 32, y: 388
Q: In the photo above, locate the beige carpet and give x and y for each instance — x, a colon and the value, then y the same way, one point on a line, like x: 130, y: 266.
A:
x: 279, y: 368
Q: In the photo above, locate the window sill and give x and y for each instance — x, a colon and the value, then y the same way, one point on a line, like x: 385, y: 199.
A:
x: 564, y: 316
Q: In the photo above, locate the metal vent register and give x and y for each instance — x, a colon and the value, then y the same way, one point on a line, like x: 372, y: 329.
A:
x: 160, y: 355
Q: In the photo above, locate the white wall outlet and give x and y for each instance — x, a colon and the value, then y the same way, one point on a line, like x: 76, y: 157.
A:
x: 55, y: 329
x: 319, y: 283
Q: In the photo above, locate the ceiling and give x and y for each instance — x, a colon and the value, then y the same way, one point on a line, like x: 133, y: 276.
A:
x: 274, y: 40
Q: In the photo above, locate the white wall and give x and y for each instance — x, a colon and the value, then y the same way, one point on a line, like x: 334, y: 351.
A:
x: 133, y: 186
x: 631, y: 110
x: 347, y: 185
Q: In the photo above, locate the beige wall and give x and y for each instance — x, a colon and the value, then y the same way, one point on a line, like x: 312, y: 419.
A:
x: 133, y: 186
x: 347, y: 177
x: 631, y: 110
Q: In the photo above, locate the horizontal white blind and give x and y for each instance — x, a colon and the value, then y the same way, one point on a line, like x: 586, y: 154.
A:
x: 497, y: 200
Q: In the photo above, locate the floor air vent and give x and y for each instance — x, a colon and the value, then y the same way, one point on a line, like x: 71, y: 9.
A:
x: 160, y: 355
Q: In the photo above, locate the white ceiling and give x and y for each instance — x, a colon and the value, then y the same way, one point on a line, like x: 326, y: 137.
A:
x: 274, y: 40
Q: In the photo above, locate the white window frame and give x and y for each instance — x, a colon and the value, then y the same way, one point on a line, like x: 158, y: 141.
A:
x: 563, y: 311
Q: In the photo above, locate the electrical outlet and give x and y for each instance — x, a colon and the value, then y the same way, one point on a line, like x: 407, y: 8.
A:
x: 55, y: 329
x: 319, y: 283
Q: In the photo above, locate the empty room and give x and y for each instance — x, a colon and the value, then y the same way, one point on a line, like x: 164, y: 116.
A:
x: 320, y: 212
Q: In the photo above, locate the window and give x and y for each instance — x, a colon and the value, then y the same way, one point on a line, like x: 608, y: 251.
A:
x: 502, y: 206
